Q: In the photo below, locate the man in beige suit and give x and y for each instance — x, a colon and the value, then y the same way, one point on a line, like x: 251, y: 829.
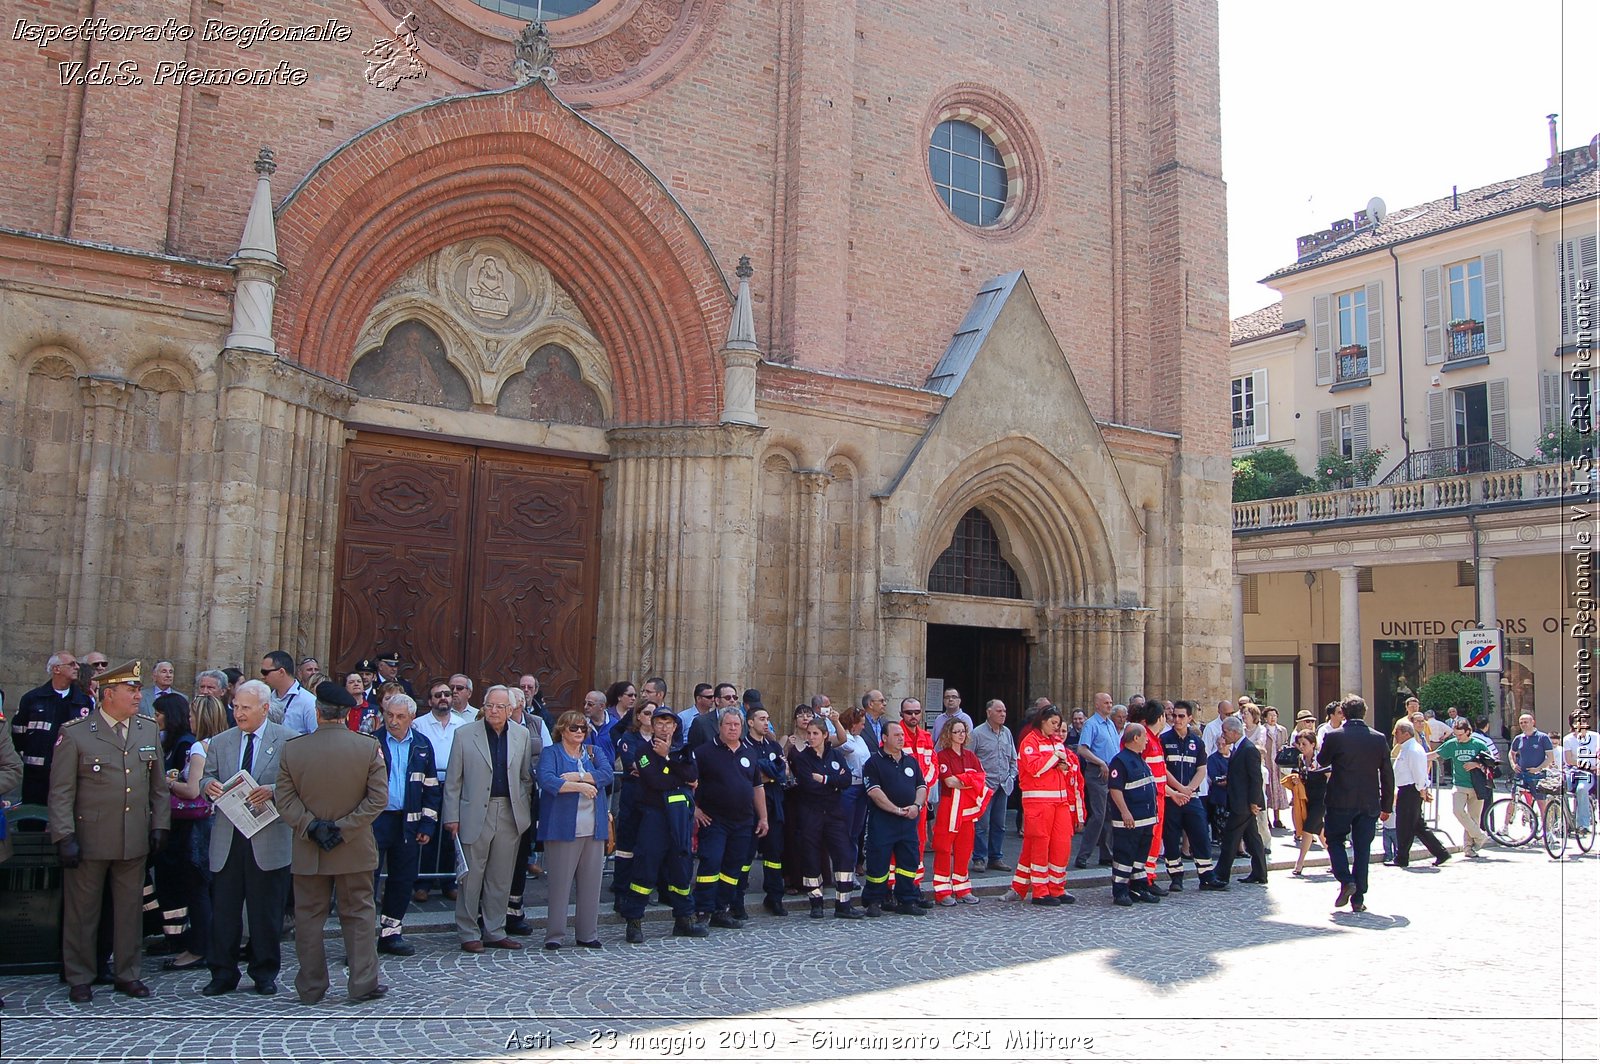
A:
x: 486, y: 807
x: 109, y: 810
x: 332, y: 784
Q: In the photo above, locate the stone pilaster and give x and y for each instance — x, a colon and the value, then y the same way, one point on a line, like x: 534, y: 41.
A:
x: 283, y: 444
x: 903, y: 635
x: 101, y: 465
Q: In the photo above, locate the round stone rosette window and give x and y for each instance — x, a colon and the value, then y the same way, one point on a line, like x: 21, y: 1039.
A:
x: 983, y: 163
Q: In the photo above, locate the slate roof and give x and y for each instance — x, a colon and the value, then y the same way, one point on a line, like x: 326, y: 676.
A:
x: 1438, y: 216
x: 970, y: 334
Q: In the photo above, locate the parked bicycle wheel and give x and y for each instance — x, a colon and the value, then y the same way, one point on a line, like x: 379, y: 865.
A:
x: 1555, y: 829
x: 1512, y: 822
x: 1584, y: 836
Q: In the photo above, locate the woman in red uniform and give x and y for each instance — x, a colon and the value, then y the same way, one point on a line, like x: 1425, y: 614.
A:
x: 963, y: 797
x: 1052, y: 806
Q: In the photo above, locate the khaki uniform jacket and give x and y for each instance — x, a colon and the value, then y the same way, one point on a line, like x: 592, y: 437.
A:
x: 332, y: 774
x: 110, y: 794
x: 10, y: 775
x: 471, y: 774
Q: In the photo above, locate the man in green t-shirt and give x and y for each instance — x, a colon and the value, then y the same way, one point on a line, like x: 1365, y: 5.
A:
x: 1467, y: 754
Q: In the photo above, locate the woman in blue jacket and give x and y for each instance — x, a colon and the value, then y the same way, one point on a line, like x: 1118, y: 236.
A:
x: 572, y: 826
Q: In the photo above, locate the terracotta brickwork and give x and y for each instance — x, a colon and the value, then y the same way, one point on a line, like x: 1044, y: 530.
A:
x: 789, y: 550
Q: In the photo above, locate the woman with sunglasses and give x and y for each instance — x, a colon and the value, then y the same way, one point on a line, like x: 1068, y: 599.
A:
x: 629, y: 745
x: 572, y: 826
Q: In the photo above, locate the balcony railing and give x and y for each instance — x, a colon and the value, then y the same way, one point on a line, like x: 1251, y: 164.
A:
x: 1244, y: 436
x: 1454, y: 461
x: 1411, y: 498
x: 1350, y: 363
x: 1464, y: 340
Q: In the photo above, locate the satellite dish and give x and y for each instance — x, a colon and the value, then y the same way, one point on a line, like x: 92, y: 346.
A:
x: 1377, y: 210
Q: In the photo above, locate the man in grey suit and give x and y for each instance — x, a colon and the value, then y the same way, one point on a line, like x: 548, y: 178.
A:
x: 486, y: 807
x: 162, y: 675
x: 252, y: 872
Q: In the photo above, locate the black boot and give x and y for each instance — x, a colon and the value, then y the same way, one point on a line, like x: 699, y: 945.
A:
x: 635, y: 932
x: 1120, y: 896
x: 816, y: 908
x: 843, y: 910
x: 739, y: 912
x: 688, y: 927
x: 775, y: 907
x: 1176, y: 886
x: 1155, y: 889
x: 724, y: 918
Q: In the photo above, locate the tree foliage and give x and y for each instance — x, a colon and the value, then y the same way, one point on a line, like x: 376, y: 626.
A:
x: 1270, y: 473
x: 1443, y: 690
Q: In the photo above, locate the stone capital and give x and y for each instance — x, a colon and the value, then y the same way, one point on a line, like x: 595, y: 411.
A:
x: 105, y: 393
x: 903, y: 605
x: 270, y: 375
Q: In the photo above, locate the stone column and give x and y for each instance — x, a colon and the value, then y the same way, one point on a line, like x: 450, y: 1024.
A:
x: 808, y: 614
x: 1488, y: 616
x: 904, y: 653
x: 1236, y: 680
x: 1349, y: 631
x: 105, y: 402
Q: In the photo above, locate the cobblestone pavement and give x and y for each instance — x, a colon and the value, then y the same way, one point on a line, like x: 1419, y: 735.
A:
x: 1257, y: 973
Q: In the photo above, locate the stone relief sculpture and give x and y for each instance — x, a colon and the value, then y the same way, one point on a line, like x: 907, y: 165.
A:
x: 411, y: 367
x: 487, y: 295
x: 551, y: 388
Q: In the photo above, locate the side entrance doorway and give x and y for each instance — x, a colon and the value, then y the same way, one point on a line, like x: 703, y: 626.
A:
x: 981, y: 663
x: 468, y: 559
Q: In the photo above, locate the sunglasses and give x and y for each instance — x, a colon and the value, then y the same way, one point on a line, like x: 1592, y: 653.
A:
x: 458, y: 687
x: 577, y: 727
x: 269, y: 672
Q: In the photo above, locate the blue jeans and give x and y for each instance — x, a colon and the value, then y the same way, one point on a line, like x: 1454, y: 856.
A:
x: 989, y: 832
x: 1358, y: 828
x: 1582, y: 785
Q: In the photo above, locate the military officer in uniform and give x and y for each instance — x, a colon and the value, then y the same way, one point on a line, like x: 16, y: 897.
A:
x: 10, y: 776
x: 109, y: 810
x: 332, y: 784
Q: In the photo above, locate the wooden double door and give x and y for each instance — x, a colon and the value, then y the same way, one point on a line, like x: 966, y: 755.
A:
x: 469, y: 559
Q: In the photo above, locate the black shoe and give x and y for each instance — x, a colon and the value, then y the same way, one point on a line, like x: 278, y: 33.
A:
x: 635, y: 933
x: 723, y: 918
x: 1213, y: 884
x: 843, y: 910
x: 1066, y: 899
x: 912, y: 908
x: 552, y: 945
x: 739, y: 912
x: 688, y: 927
x: 1441, y: 859
x: 775, y: 907
x: 1105, y: 862
x: 1080, y: 864
x: 816, y: 909
x: 1144, y: 896
x: 1346, y: 892
x: 397, y: 946
x: 1175, y: 886
x: 873, y: 909
x: 518, y: 926
x: 267, y: 987
x: 1358, y: 903
x: 923, y: 903
x: 220, y: 984
x: 81, y: 994
x: 1049, y: 901
x: 1152, y: 887
x: 1258, y: 880
x: 594, y: 944
x: 1122, y: 900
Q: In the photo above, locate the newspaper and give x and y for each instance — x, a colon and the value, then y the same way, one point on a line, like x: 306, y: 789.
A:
x: 231, y: 803
x: 461, y: 862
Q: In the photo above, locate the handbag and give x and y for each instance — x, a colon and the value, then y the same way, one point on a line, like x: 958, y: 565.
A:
x: 1288, y: 757
x: 190, y: 808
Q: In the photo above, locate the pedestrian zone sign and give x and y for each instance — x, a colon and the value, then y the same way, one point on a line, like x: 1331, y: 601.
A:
x: 1482, y: 650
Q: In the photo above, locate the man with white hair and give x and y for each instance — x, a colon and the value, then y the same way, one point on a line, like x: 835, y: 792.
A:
x: 212, y: 682
x: 1410, y: 793
x: 161, y: 676
x: 38, y: 720
x: 409, y: 819
x: 1245, y: 799
x: 461, y: 698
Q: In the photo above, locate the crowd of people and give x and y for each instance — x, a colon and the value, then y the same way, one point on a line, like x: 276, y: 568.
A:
x: 349, y: 785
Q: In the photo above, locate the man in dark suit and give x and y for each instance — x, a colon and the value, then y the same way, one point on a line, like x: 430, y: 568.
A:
x: 248, y: 874
x: 1244, y: 802
x: 1360, y: 797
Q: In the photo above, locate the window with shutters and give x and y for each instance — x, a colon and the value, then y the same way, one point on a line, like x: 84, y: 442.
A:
x: 1364, y: 578
x: 1250, y: 409
x: 1565, y: 400
x: 1343, y: 430
x: 1462, y: 313
x: 1466, y: 574
x: 1575, y: 263
x: 1347, y: 336
x: 1351, y: 321
x: 974, y: 563
x: 1250, y: 592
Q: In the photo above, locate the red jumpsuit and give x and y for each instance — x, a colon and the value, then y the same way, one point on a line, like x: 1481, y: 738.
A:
x: 1052, y: 807
x: 1156, y: 758
x: 919, y: 744
x: 953, y: 824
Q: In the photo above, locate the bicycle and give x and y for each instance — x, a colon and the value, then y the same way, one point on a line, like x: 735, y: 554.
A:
x: 1514, y: 820
x: 1561, y: 819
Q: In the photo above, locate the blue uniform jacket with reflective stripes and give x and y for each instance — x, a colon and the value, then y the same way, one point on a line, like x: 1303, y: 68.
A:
x: 424, y: 795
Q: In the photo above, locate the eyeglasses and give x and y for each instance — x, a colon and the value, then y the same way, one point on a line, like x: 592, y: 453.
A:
x: 577, y: 727
x: 269, y: 672
x: 437, y: 695
x: 459, y: 687
x: 911, y: 712
x: 98, y: 664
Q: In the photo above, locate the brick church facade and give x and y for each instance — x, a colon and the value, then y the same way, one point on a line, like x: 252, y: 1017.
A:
x: 469, y: 366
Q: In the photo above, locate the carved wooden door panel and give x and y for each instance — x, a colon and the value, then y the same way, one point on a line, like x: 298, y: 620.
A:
x: 534, y: 573
x: 402, y: 561
x: 469, y: 559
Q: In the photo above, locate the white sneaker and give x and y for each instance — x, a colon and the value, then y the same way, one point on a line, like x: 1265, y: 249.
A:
x: 968, y: 899
x: 947, y: 902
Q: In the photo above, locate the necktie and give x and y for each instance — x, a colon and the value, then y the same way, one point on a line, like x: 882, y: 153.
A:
x: 122, y: 734
x: 249, y: 753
